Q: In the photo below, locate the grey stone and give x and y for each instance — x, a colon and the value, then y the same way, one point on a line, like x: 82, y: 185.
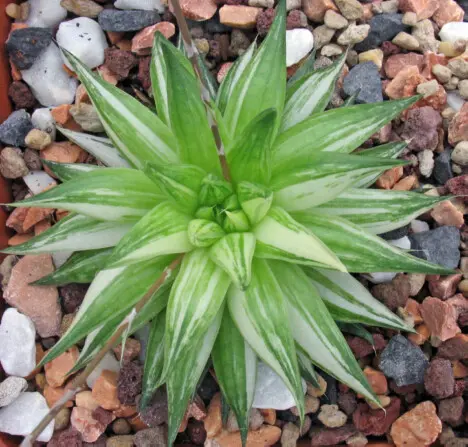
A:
x: 443, y: 167
x: 383, y: 27
x: 127, y: 20
x: 151, y: 437
x: 26, y: 44
x: 10, y: 389
x: 439, y: 246
x: 403, y: 361
x: 15, y: 128
x: 364, y: 78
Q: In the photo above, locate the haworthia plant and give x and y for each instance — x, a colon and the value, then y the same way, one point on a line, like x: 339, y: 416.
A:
x: 267, y: 250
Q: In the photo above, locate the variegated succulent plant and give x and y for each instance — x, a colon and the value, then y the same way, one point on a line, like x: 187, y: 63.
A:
x: 270, y: 232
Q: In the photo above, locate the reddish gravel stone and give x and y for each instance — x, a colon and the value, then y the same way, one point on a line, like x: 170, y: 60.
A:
x: 21, y: 95
x: 196, y: 432
x: 424, y: 9
x: 69, y: 438
x: 129, y: 383
x: 460, y: 386
x: 347, y: 402
x: 394, y: 294
x: 264, y: 21
x: 438, y: 379
x: 376, y: 422
x: 389, y: 48
x: 397, y: 62
x: 458, y: 128
x: 451, y: 411
x: 362, y: 348
x: 458, y: 186
x: 454, y: 349
x: 144, y: 72
x: 120, y: 62
x: 331, y: 436
x: 103, y: 416
x: 440, y: 317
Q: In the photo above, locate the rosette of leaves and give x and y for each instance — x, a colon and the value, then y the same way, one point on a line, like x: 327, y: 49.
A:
x: 268, y: 248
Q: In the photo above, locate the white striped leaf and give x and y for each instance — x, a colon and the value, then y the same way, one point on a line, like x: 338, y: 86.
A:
x: 378, y: 211
x: 80, y: 267
x: 67, y: 171
x: 154, y: 359
x: 311, y: 95
x: 162, y: 231
x: 236, y: 221
x: 315, y: 331
x: 235, y: 366
x: 117, y: 194
x: 180, y: 183
x: 325, y: 177
x: 338, y: 130
x: 186, y: 112
x: 355, y: 329
x: 100, y: 148
x: 75, y: 232
x: 111, y: 295
x: 233, y: 75
x: 204, y: 233
x: 305, y: 69
x: 196, y: 297
x: 262, y: 84
x: 260, y: 315
x: 349, y: 301
x: 249, y: 156
x: 214, y: 190
x: 182, y: 381
x: 306, y: 366
x: 136, y: 132
x: 361, y: 251
x: 279, y: 236
x: 234, y: 253
x: 255, y: 200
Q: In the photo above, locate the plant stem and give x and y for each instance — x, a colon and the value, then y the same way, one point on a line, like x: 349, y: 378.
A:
x: 79, y: 382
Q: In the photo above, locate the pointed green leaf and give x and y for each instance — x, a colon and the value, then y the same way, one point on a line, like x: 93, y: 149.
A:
x: 378, y: 211
x: 111, y: 295
x: 233, y: 75
x: 355, y: 329
x: 351, y: 100
x: 306, y: 68
x: 361, y: 251
x: 337, y: 130
x: 234, y: 253
x: 67, y: 171
x: 99, y: 147
x: 107, y: 194
x: 236, y: 221
x: 307, y: 367
x: 311, y: 95
x: 136, y: 132
x: 162, y: 231
x: 80, y: 267
x: 74, y: 232
x: 316, y: 332
x: 196, y: 297
x: 255, y: 200
x: 214, y: 190
x: 262, y: 84
x: 279, y: 236
x: 235, y: 366
x: 259, y: 314
x: 249, y: 156
x: 349, y: 301
x: 324, y: 177
x: 204, y: 233
x: 195, y: 140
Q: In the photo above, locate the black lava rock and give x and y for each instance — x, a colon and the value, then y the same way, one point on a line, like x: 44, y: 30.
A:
x: 26, y: 44
x: 383, y: 27
x: 365, y: 79
x: 129, y: 383
x: 403, y: 361
x: 208, y: 388
x: 443, y: 167
x: 129, y: 20
x: 72, y: 296
x: 439, y: 246
x: 15, y: 128
x: 398, y: 233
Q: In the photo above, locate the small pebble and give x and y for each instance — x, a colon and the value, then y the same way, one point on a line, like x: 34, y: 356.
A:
x: 45, y: 13
x: 147, y: 5
x: 442, y: 73
x: 406, y: 41
x: 82, y: 8
x: 15, y: 128
x: 124, y: 21
x: 331, y: 416
x: 453, y: 31
x: 299, y: 43
x: 12, y: 164
x: 37, y: 139
x: 10, y: 389
x: 334, y: 20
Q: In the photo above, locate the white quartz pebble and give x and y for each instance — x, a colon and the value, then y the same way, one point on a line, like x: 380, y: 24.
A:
x: 299, y: 43
x: 37, y: 181
x: 453, y: 31
x: 455, y: 101
x: 60, y: 257
x: 418, y: 226
x: 17, y: 343
x: 11, y: 388
x: 146, y: 5
x: 45, y: 13
x: 42, y: 119
x: 49, y: 82
x: 85, y: 39
x: 380, y: 277
x: 21, y: 417
x: 404, y: 243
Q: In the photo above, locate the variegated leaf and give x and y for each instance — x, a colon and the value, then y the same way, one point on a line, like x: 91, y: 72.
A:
x: 325, y: 177
x: 307, y: 367
x: 162, y: 231
x: 355, y: 329
x: 111, y: 295
x: 196, y: 297
x: 259, y: 313
x: 316, y: 332
x: 337, y: 130
x: 75, y: 232
x: 349, y: 301
x: 378, y: 211
x: 255, y: 200
x: 116, y: 194
x: 279, y: 236
x: 306, y: 68
x: 100, y: 148
x: 235, y: 366
x: 361, y: 251
x: 234, y: 253
x: 67, y: 171
x: 262, y: 84
x: 204, y: 233
x: 311, y: 95
x: 249, y: 156
x: 80, y: 267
